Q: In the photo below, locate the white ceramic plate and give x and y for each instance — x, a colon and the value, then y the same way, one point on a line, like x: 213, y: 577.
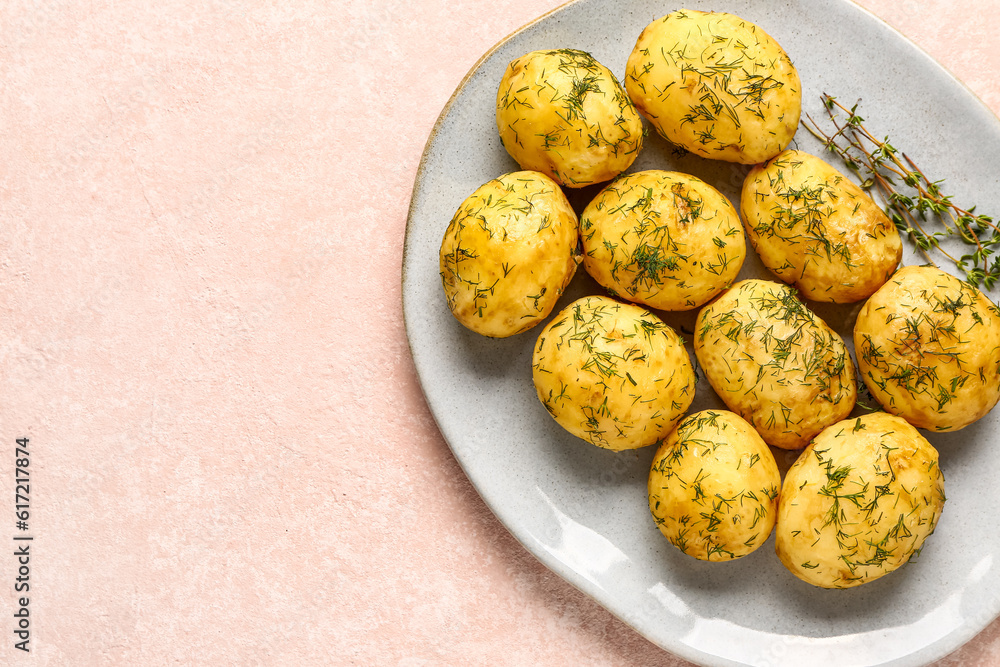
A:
x: 582, y: 511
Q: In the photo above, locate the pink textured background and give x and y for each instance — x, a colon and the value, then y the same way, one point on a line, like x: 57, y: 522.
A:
x: 202, y: 209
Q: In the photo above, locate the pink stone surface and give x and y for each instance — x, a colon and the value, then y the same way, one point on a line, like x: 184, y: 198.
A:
x: 202, y: 210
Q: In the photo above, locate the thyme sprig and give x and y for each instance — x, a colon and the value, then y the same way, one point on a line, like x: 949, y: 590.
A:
x: 911, y: 200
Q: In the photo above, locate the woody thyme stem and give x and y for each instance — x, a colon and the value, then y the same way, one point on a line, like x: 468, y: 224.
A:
x: 880, y: 165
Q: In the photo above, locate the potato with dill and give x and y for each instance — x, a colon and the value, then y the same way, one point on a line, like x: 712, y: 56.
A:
x: 662, y: 238
x: 928, y: 347
x: 563, y: 113
x: 713, y: 487
x: 612, y: 373
x: 716, y: 85
x: 508, y: 253
x: 815, y: 229
x: 774, y: 362
x: 859, y: 502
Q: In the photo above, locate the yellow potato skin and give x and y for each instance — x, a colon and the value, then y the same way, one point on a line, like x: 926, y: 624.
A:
x: 716, y: 85
x: 815, y: 229
x: 564, y: 114
x: 612, y: 373
x: 508, y: 253
x: 858, y: 502
x: 713, y: 487
x: 774, y: 362
x: 662, y: 238
x: 928, y: 347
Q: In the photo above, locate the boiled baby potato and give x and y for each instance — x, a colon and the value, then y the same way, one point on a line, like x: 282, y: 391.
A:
x: 928, y: 347
x: 662, y: 238
x: 815, y: 229
x: 859, y: 502
x: 508, y: 254
x: 774, y: 362
x: 713, y: 487
x: 716, y: 85
x: 565, y: 114
x: 612, y: 373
